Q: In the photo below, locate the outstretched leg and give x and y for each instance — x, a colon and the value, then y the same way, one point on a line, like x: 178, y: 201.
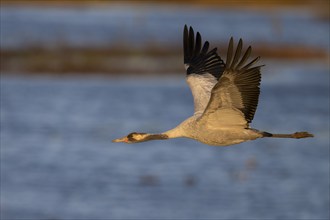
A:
x: 296, y: 135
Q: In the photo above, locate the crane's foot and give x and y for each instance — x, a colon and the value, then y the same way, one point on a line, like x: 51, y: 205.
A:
x: 302, y: 134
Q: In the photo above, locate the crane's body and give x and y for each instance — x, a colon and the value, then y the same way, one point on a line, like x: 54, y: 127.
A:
x: 215, y: 136
x: 225, y: 97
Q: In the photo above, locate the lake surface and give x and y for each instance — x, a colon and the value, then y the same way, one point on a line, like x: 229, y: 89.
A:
x: 58, y: 161
x: 139, y: 26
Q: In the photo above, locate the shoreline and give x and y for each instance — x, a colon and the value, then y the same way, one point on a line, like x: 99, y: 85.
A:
x: 121, y: 60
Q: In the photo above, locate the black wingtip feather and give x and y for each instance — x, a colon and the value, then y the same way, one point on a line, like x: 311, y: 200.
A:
x: 230, y: 52
x: 251, y: 63
x: 198, y: 58
x: 198, y: 44
x: 247, y: 78
x: 205, y: 48
x: 237, y: 54
x: 245, y: 57
x: 185, y: 44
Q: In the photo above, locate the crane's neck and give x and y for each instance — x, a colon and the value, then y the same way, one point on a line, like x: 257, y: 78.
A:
x: 142, y: 137
x: 150, y: 137
x: 136, y: 137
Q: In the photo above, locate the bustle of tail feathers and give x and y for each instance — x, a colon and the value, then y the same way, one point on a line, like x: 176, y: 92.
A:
x: 296, y: 135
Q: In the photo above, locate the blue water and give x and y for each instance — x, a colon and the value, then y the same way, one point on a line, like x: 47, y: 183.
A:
x: 57, y: 158
x: 138, y: 26
x: 58, y: 161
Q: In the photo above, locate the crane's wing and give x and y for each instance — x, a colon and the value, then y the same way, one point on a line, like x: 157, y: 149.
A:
x: 203, y: 68
x: 234, y: 98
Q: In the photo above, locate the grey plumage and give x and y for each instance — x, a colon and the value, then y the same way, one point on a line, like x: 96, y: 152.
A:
x: 225, y: 96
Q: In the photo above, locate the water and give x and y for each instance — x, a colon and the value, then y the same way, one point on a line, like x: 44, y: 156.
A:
x: 156, y: 24
x: 57, y: 159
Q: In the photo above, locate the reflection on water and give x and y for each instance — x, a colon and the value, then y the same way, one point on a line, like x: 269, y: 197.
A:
x: 57, y: 159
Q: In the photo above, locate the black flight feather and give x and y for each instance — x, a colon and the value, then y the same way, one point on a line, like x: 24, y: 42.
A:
x: 246, y: 79
x: 198, y: 58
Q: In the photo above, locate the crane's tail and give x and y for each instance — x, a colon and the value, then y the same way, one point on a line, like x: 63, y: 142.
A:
x: 297, y: 135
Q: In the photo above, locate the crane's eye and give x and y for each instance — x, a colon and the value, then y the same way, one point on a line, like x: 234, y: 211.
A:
x: 130, y: 136
x: 134, y: 136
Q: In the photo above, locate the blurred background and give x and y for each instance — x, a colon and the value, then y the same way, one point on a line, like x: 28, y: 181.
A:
x: 77, y: 74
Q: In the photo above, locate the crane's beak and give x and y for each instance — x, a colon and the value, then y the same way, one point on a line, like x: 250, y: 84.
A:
x: 123, y: 139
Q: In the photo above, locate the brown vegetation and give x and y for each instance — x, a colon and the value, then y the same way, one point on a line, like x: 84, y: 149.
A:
x: 118, y: 60
x: 150, y: 60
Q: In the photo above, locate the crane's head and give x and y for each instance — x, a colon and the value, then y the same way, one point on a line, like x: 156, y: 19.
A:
x: 136, y: 137
x: 133, y: 137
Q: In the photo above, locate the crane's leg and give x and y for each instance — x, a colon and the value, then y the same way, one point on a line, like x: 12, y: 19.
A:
x: 296, y: 135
